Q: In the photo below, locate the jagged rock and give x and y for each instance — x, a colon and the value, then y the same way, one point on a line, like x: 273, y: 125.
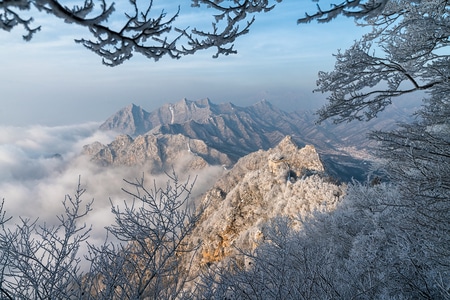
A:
x: 132, y: 120
x: 284, y: 180
x: 158, y: 152
x: 237, y: 131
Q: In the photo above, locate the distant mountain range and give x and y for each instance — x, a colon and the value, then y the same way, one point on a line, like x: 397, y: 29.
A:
x: 223, y: 133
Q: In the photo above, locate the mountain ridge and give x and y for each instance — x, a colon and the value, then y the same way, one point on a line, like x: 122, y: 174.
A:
x: 283, y: 181
x: 236, y: 131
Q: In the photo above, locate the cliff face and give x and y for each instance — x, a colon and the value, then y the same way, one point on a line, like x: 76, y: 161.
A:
x: 282, y: 181
x: 157, y: 152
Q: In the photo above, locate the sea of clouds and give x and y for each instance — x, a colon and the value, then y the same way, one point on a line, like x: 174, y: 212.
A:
x: 40, y: 165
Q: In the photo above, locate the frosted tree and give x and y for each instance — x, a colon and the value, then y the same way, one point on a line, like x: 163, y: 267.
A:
x: 144, y: 31
x: 4, y: 246
x: 406, y: 52
x: 418, y: 161
x: 39, y: 261
x: 148, y: 256
x: 152, y: 258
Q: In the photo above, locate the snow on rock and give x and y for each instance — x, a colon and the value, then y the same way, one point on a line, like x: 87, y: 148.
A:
x: 283, y: 180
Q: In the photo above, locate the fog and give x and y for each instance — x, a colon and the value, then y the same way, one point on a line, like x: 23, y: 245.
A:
x: 40, y: 165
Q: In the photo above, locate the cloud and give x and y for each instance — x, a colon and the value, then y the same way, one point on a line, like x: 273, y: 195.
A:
x: 40, y: 165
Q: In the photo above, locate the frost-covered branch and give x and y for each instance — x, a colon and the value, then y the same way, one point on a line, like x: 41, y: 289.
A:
x: 350, y: 8
x: 404, y: 53
x: 11, y: 18
x: 153, y: 35
x: 227, y: 25
x: 153, y: 258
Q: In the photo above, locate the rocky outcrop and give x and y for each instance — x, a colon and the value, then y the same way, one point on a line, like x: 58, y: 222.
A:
x: 282, y: 181
x: 157, y: 152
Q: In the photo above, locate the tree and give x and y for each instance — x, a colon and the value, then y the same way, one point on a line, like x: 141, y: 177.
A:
x: 41, y: 261
x: 145, y: 32
x: 148, y: 257
x: 404, y: 53
x: 418, y: 161
x: 4, y: 246
x: 152, y: 258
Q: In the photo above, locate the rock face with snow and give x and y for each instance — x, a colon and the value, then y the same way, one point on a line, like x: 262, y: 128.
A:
x: 157, y: 152
x: 282, y: 181
x: 228, y: 128
x: 228, y: 132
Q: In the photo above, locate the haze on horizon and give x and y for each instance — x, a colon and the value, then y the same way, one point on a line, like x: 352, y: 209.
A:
x: 53, y: 81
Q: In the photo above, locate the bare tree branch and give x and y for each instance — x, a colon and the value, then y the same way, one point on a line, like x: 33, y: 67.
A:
x: 151, y: 35
x: 410, y: 39
x: 153, y: 258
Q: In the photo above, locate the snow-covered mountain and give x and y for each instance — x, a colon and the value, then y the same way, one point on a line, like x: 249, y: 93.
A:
x: 283, y: 181
x: 228, y: 132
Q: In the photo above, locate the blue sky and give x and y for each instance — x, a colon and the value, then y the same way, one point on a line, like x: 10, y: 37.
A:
x: 53, y: 81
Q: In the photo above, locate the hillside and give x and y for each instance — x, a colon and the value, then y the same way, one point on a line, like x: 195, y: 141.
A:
x: 282, y: 181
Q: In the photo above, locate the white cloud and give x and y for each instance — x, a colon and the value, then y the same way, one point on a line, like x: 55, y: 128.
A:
x: 40, y: 165
x: 34, y: 183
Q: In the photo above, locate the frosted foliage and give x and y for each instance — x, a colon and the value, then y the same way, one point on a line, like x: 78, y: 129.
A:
x: 41, y: 261
x: 360, y: 250
x: 406, y: 52
x: 140, y: 259
x: 418, y: 161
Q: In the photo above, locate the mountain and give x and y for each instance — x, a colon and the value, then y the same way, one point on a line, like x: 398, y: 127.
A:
x: 283, y: 181
x: 157, y: 152
x: 133, y: 120
x: 232, y: 131
x: 265, y: 123
x: 130, y: 120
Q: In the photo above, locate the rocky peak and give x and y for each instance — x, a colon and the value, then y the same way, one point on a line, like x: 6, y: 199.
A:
x: 157, y: 152
x: 131, y: 120
x: 283, y: 181
x: 185, y: 111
